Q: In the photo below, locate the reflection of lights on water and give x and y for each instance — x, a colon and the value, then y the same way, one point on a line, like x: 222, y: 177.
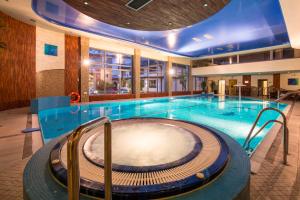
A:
x: 265, y: 104
x: 221, y: 105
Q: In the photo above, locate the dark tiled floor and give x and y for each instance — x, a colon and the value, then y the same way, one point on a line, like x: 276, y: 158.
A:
x: 273, y: 181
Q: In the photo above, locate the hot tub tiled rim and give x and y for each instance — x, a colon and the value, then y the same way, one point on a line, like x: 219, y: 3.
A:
x: 58, y: 169
x: 235, y: 183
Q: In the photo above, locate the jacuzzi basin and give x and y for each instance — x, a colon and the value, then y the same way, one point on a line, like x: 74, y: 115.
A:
x: 152, y: 158
x: 144, y: 146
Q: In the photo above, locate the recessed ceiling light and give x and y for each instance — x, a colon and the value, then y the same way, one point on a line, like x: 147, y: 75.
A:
x: 208, y: 36
x: 86, y: 3
x: 196, y: 39
x: 170, y: 23
x: 205, y: 5
x: 128, y: 23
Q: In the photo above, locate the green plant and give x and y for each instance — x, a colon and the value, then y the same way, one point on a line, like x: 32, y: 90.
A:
x: 213, y: 85
x: 182, y: 80
x: 203, y: 85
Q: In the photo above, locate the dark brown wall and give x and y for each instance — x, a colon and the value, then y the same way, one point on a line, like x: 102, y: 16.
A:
x: 72, y: 63
x: 107, y: 97
x: 17, y: 63
x: 149, y: 95
x: 246, y: 91
x: 276, y: 81
x: 181, y: 93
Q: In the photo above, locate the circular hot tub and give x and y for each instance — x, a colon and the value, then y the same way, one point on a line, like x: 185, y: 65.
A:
x: 144, y: 146
x: 152, y: 158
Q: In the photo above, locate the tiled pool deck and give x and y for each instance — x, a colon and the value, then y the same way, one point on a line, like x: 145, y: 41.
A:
x: 273, y: 180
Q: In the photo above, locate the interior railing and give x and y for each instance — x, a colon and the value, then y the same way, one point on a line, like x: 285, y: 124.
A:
x: 73, y: 158
x: 251, y: 136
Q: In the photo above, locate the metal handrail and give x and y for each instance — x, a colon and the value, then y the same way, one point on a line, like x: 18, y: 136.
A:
x: 286, y: 95
x: 73, y: 157
x: 285, y: 131
x: 268, y: 122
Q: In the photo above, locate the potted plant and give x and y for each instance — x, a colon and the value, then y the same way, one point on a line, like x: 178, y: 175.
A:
x: 213, y: 87
x: 182, y: 80
x: 203, y: 86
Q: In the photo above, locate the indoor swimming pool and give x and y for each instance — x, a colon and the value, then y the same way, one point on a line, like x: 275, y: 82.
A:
x: 226, y: 114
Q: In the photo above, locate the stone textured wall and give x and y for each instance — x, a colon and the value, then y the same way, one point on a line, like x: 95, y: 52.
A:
x: 84, y: 69
x: 50, y: 83
x: 50, y: 69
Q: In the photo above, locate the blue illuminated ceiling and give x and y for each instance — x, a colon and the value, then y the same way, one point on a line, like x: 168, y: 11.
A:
x: 241, y: 25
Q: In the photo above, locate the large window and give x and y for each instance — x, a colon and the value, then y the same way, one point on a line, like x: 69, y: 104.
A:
x: 110, y: 73
x: 180, y: 77
x: 152, y: 75
x: 197, y: 82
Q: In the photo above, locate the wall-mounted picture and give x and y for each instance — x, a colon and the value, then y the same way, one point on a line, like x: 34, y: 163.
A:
x: 293, y: 81
x: 50, y: 50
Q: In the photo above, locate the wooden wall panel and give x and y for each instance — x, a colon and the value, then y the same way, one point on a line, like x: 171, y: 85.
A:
x: 107, y: 97
x: 72, y: 63
x: 17, y: 63
x: 150, y: 95
x: 179, y: 93
x: 155, y: 16
x: 276, y: 81
x: 246, y: 91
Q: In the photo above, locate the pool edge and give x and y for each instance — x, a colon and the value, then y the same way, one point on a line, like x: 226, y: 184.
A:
x: 260, y: 153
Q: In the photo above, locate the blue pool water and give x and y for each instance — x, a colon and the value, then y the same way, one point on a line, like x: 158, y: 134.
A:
x: 226, y: 114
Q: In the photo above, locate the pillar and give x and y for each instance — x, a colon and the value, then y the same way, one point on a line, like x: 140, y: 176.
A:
x: 190, y: 78
x: 84, y: 69
x: 169, y: 77
x: 136, y: 82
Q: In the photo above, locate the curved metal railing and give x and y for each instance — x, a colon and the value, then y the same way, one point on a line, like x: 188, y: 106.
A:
x: 73, y: 157
x: 249, y: 138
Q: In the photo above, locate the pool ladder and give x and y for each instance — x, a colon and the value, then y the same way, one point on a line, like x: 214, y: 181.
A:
x: 73, y: 158
x: 249, y: 138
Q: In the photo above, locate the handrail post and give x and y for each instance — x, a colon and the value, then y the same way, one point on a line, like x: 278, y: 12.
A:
x: 285, y: 141
x: 73, y: 171
x: 285, y: 132
x: 107, y: 162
